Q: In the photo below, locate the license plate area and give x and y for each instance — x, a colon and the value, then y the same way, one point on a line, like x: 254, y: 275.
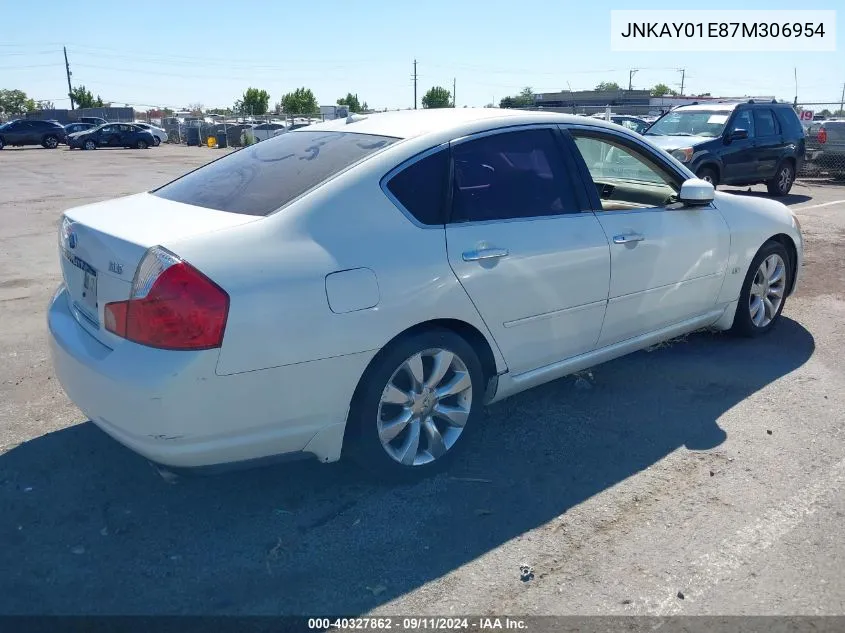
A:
x: 86, y: 299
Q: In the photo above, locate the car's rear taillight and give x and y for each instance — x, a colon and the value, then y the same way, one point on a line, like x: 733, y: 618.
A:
x: 822, y: 136
x: 172, y: 306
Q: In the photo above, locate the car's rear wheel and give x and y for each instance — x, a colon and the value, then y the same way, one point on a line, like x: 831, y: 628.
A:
x: 781, y: 184
x: 2, y: 144
x: 709, y: 174
x: 764, y: 290
x: 415, y: 405
x: 156, y: 141
x: 141, y: 144
x: 50, y: 142
x: 90, y: 145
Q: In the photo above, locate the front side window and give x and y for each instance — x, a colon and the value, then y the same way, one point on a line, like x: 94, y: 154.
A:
x: 261, y: 178
x: 744, y: 121
x: 764, y: 121
x: 517, y: 174
x: 625, y: 177
x: 422, y: 187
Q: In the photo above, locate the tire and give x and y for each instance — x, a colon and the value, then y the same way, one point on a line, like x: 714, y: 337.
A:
x: 89, y: 145
x: 50, y: 142
x: 141, y: 144
x: 709, y: 174
x: 379, y: 446
x: 783, y: 179
x: 156, y: 141
x: 2, y: 144
x: 748, y: 321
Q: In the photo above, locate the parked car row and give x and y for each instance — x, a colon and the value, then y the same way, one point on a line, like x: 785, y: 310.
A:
x: 83, y: 134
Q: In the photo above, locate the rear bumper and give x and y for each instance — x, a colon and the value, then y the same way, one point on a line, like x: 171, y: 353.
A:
x: 173, y: 409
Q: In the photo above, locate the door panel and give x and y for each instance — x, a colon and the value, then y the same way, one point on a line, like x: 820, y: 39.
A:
x: 536, y: 267
x: 673, y: 273
x: 544, y: 301
x: 666, y: 262
x: 739, y: 156
x: 769, y: 142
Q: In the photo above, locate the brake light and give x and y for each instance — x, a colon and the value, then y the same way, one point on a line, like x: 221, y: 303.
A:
x: 172, y: 306
x: 822, y: 136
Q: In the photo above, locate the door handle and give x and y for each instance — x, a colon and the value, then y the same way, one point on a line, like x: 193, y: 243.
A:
x: 485, y: 253
x: 628, y: 238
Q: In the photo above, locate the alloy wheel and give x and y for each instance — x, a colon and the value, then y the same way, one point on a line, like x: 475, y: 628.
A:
x: 767, y: 290
x: 424, y: 407
x: 784, y: 179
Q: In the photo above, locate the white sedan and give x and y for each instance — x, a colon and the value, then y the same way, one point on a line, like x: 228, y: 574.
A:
x: 159, y: 134
x: 366, y: 285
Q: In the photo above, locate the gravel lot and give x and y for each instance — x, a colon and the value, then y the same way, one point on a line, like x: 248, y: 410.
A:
x: 711, y: 467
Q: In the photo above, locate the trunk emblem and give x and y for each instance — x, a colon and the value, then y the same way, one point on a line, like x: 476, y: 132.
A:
x: 115, y: 268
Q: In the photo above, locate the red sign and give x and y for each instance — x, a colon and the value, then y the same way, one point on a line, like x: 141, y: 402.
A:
x: 806, y: 115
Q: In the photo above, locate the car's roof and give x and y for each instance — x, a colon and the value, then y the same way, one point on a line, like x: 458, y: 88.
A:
x: 413, y: 123
x: 709, y: 107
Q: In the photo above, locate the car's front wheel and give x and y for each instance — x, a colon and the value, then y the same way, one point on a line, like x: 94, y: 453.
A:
x: 90, y: 145
x: 415, y: 404
x: 781, y: 184
x: 50, y: 142
x: 156, y: 141
x: 2, y: 144
x: 764, y: 291
x: 709, y: 174
x: 141, y: 144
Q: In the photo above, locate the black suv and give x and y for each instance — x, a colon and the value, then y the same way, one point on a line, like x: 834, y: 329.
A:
x: 735, y: 143
x: 28, y: 132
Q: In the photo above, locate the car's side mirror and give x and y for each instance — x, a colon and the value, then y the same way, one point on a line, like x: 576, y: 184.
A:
x: 696, y: 192
x: 738, y: 135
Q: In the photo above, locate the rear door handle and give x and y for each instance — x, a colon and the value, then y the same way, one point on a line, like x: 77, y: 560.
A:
x: 628, y: 238
x: 485, y: 253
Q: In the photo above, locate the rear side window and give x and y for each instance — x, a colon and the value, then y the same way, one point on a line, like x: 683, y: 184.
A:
x: 789, y: 122
x: 422, y: 186
x: 764, y: 121
x: 259, y: 179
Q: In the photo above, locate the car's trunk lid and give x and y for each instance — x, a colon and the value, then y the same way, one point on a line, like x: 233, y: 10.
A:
x: 101, y: 245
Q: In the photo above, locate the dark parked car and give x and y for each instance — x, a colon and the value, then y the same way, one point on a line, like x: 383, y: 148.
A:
x: 30, y: 132
x: 112, y: 135
x: 742, y: 143
x: 73, y: 128
x: 826, y: 146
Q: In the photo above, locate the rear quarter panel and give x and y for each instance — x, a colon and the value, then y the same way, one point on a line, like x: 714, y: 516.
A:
x: 275, y: 272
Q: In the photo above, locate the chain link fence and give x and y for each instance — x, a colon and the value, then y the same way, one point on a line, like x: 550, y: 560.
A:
x: 233, y: 131
x: 824, y: 138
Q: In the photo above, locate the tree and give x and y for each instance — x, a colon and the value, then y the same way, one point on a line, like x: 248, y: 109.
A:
x: 350, y: 100
x: 83, y: 98
x: 825, y: 112
x: 489, y: 105
x: 662, y: 90
x: 607, y: 86
x: 195, y: 108
x: 45, y: 105
x: 15, y: 102
x: 437, y: 97
x: 364, y: 107
x: 300, y: 101
x: 254, y: 101
x: 524, y: 99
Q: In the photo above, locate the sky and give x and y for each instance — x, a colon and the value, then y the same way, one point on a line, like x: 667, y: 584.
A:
x: 179, y: 52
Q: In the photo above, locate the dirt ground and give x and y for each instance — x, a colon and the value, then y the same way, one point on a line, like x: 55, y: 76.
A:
x: 712, y: 467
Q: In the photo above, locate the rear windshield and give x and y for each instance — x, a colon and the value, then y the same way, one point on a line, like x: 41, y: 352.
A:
x: 259, y: 179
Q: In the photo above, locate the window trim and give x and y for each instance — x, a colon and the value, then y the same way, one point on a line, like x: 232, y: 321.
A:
x: 445, y: 211
x: 623, y: 139
x: 583, y: 204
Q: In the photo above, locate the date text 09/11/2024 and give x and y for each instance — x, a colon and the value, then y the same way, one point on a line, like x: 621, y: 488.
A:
x: 417, y: 624
x: 721, y: 29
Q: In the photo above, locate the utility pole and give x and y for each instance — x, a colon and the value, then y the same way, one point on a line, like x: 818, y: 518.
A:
x: 454, y: 93
x: 631, y: 74
x: 69, y: 89
x: 842, y: 101
x: 683, y: 72
x: 415, y: 84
